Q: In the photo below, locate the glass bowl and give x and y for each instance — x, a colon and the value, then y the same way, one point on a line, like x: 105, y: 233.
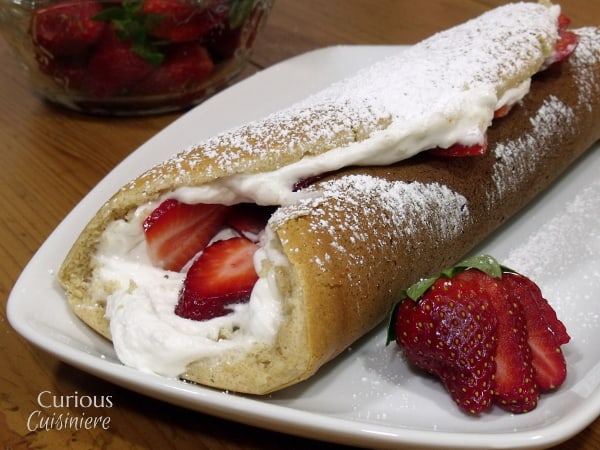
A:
x: 131, y: 57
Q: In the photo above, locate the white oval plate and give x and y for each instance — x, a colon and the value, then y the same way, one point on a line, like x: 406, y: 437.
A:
x: 368, y: 396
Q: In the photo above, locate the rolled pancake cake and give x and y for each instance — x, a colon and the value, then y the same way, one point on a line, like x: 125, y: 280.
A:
x: 384, y: 213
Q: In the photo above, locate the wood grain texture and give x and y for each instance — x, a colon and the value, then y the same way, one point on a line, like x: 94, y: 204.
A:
x: 51, y: 158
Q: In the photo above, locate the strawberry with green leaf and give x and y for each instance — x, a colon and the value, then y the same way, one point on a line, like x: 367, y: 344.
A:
x: 486, y: 332
x: 116, y: 65
x: 185, y: 68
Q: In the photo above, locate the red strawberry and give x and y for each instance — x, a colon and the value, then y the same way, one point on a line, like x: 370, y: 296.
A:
x: 306, y: 182
x: 185, y: 68
x: 502, y: 111
x: 565, y: 46
x: 66, y: 28
x: 222, y: 275
x: 548, y: 359
x: 450, y: 332
x: 115, y: 66
x: 515, y: 387
x: 182, y: 21
x: 459, y: 150
x: 567, y: 40
x: 519, y: 331
x: 175, y: 231
x: 249, y: 219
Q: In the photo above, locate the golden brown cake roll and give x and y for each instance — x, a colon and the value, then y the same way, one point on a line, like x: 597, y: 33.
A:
x: 361, y: 206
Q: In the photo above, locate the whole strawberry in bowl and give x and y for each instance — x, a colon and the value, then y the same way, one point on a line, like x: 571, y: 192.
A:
x: 131, y: 57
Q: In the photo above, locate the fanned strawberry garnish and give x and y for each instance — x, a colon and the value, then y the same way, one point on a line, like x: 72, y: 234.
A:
x: 222, y: 275
x: 176, y: 231
x: 486, y: 332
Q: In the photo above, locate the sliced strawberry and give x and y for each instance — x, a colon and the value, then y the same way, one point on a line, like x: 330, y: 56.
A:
x: 567, y: 40
x: 184, y: 21
x: 249, y: 219
x: 222, y: 275
x: 479, y: 301
x: 502, y: 111
x: 450, y: 332
x: 459, y: 150
x: 555, y: 326
x: 306, y: 182
x: 566, y: 43
x: 515, y: 387
x: 66, y: 28
x: 548, y: 359
x: 185, y: 68
x: 176, y: 231
x: 565, y: 46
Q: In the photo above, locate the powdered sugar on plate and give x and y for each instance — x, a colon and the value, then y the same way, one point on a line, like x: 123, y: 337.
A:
x: 560, y: 251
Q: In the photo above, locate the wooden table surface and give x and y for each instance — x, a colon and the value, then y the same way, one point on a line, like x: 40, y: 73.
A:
x: 50, y: 158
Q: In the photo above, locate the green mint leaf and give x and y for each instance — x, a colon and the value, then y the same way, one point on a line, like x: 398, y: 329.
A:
x: 111, y: 14
x: 131, y: 25
x: 485, y: 263
x: 149, y: 53
x: 415, y: 291
x: 391, y: 326
x: 239, y: 12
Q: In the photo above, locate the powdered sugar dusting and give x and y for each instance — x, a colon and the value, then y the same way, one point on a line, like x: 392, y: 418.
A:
x: 401, y: 208
x: 560, y: 251
x: 587, y: 54
x: 439, y: 92
x: 482, y: 57
x: 516, y: 158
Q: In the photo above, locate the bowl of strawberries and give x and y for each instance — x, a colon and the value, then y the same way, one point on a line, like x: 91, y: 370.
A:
x: 131, y: 57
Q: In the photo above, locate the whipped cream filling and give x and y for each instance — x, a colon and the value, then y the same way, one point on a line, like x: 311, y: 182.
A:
x: 384, y: 147
x: 146, y: 332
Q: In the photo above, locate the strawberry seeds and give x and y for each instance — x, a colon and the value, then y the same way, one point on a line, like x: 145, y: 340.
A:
x: 486, y: 332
